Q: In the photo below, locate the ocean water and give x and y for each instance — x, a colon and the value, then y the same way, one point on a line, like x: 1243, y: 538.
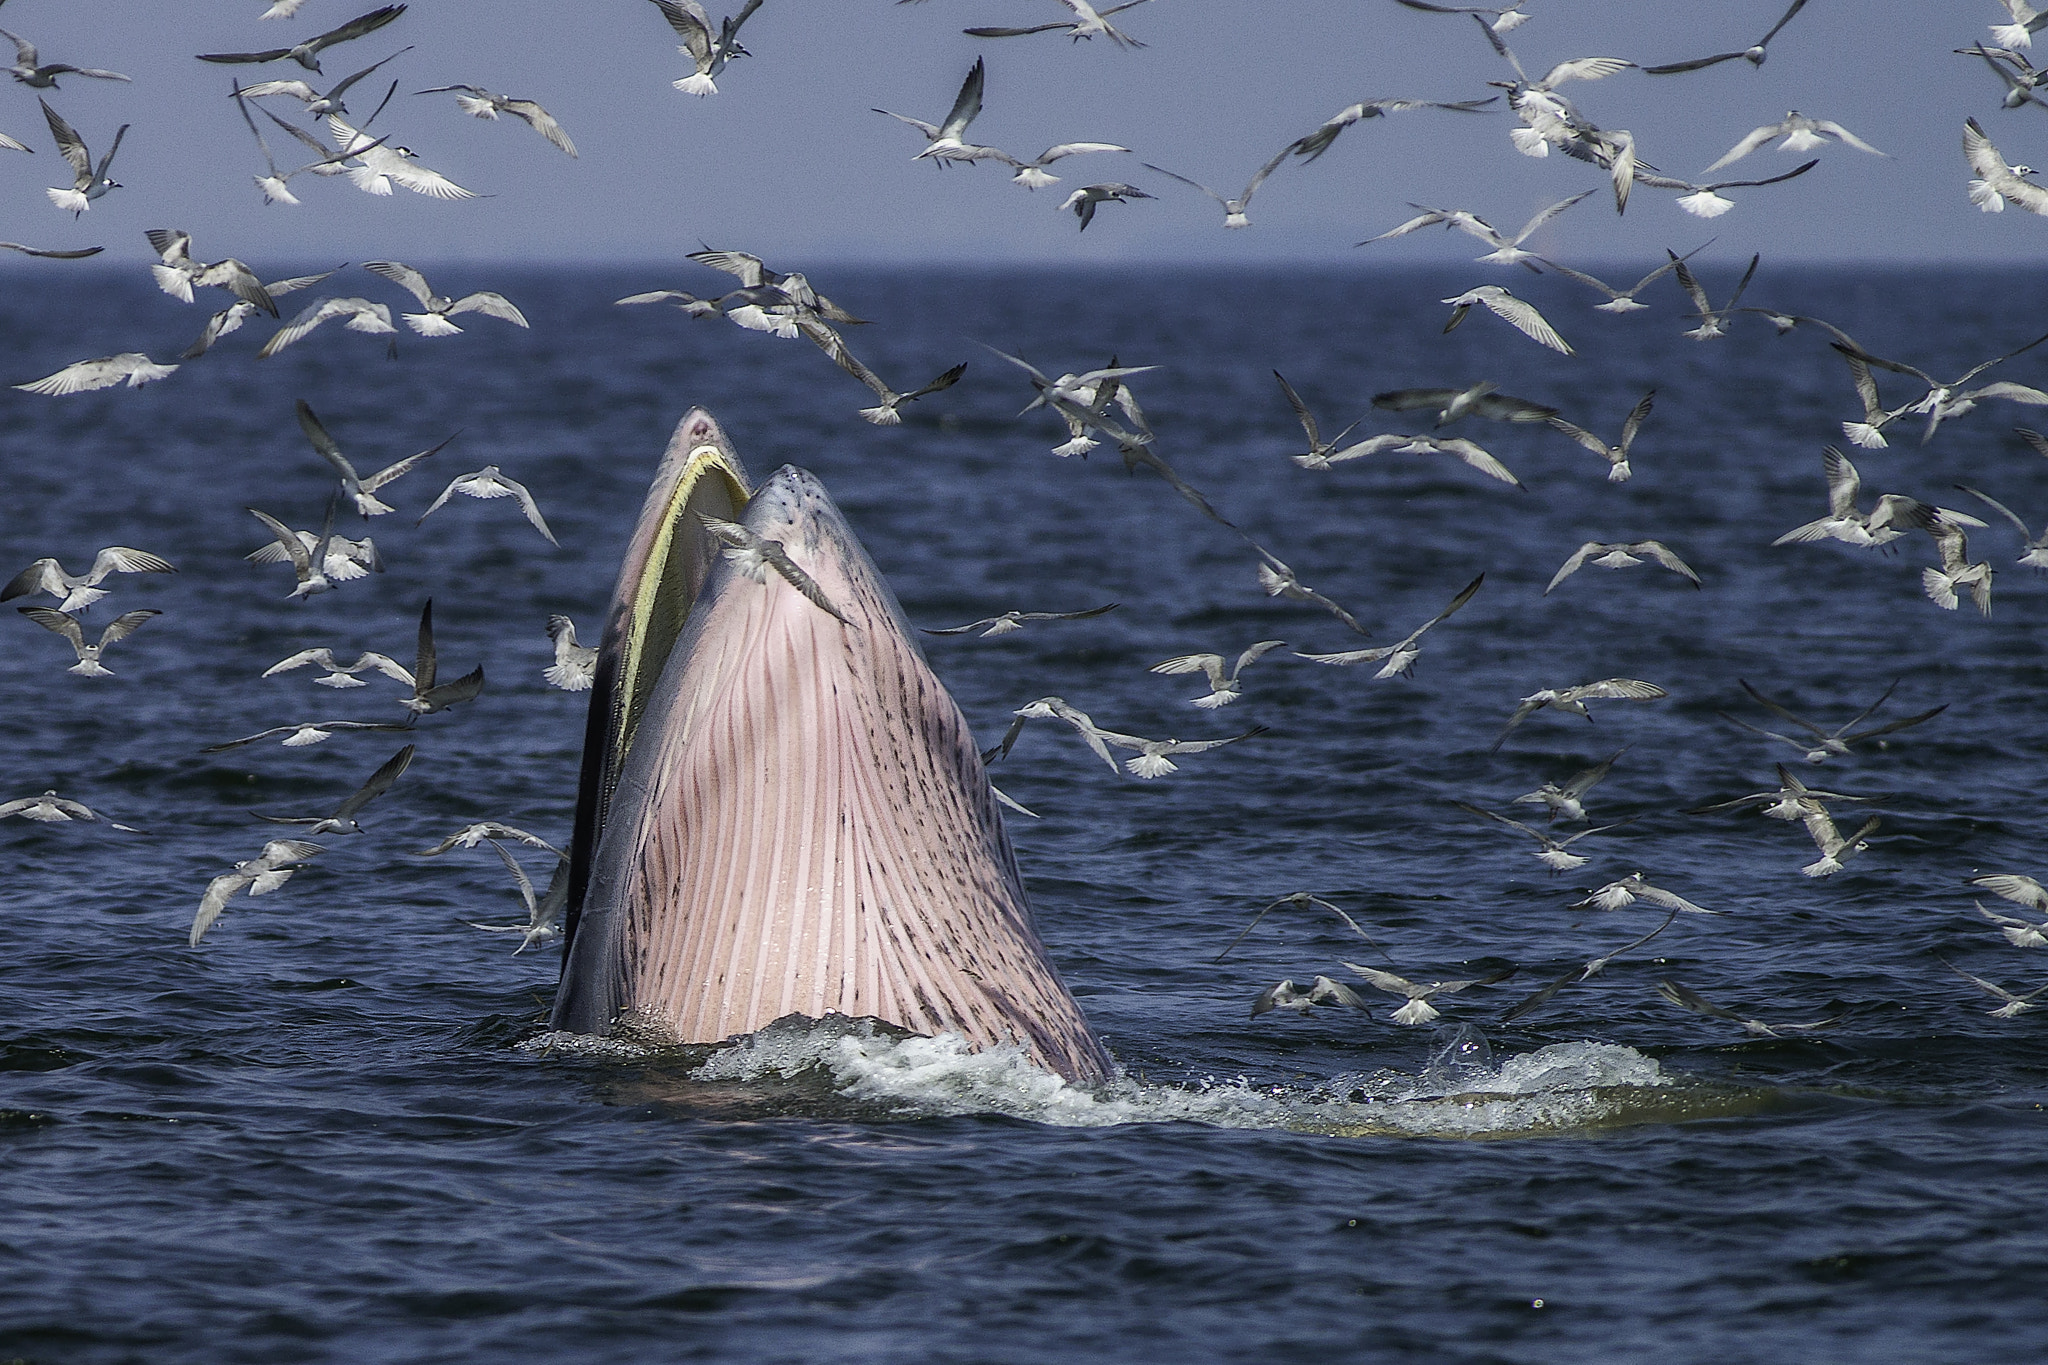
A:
x: 338, y: 1130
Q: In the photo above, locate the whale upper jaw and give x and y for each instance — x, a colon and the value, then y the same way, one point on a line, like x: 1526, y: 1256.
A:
x: 794, y: 816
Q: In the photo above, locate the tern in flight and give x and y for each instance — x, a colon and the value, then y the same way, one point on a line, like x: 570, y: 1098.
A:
x: 1799, y: 134
x: 428, y: 696
x: 276, y: 185
x: 1401, y: 656
x: 1956, y: 571
x: 1622, y: 300
x: 1834, y: 848
x: 50, y: 808
x: 469, y: 836
x: 1301, y: 900
x: 1280, y: 581
x: 2020, y: 77
x: 488, y: 482
x: 309, y: 562
x: 543, y: 914
x: 481, y: 103
x: 1894, y: 515
x: 1287, y: 996
x: 575, y: 665
x: 1233, y: 209
x: 1944, y: 398
x: 755, y: 555
x: 89, y: 182
x: 381, y: 166
x: 1086, y: 23
x: 1554, y: 853
x: 307, y: 54
x: 1572, y: 700
x: 40, y: 75
x: 89, y: 665
x: 1084, y: 200
x: 1616, y: 455
x: 339, y: 674
x: 343, y: 818
x: 317, y: 104
x: 1517, y: 313
x: 1506, y: 250
x: 360, y: 491
x: 1753, y: 54
x: 1686, y: 998
x: 362, y: 315
x: 132, y: 368
x: 1828, y: 744
x: 946, y: 141
x: 1713, y: 321
x: 1312, y: 145
x: 1996, y: 181
x: 1622, y: 556
x: 1224, y: 687
x: 1635, y: 887
x: 1478, y: 400
x: 1791, y: 801
x: 2026, y: 19
x: 76, y: 592
x: 1706, y: 200
x: 1014, y: 621
x: 434, y: 322
x: 298, y: 736
x: 2036, y: 554
x: 50, y: 253
x: 2019, y: 933
x: 177, y: 274
x: 1418, y: 1010
x: 1567, y: 802
x: 708, y: 52
x: 263, y: 873
x: 2014, y: 1004
x: 1152, y: 758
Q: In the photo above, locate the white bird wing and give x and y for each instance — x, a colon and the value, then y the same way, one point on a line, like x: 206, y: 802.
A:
x: 1836, y: 130
x: 294, y: 549
x: 1523, y: 316
x: 2020, y: 889
x: 1748, y: 144
x: 1062, y: 150
x: 529, y: 506
x: 1627, y: 689
x: 1583, y: 69
x: 102, y: 372
x: 1574, y: 564
x: 966, y: 104
x: 542, y: 122
x: 1211, y: 664
x: 1661, y: 553
x: 323, y: 657
x: 405, y: 277
x: 121, y: 559
x: 492, y: 305
x: 415, y: 177
x: 215, y: 900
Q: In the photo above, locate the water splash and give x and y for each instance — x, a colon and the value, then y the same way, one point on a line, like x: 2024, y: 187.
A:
x: 1461, y: 1093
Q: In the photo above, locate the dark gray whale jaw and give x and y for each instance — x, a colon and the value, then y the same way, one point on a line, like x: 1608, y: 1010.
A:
x: 783, y: 812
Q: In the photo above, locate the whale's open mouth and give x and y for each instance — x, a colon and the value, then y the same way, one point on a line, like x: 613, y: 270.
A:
x: 783, y: 811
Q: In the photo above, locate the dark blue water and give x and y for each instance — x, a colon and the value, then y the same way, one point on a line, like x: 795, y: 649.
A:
x: 334, y: 1132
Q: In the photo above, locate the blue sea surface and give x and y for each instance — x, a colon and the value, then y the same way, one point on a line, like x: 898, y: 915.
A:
x: 337, y: 1130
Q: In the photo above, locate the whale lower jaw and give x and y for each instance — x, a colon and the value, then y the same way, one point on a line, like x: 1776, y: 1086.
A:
x: 801, y: 824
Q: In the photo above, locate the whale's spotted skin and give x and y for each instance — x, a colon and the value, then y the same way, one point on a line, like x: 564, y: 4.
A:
x: 802, y: 825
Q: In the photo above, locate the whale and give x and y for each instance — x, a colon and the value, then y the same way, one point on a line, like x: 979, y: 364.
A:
x: 781, y: 810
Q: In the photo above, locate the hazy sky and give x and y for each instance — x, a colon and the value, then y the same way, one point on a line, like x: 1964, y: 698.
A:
x: 787, y: 161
